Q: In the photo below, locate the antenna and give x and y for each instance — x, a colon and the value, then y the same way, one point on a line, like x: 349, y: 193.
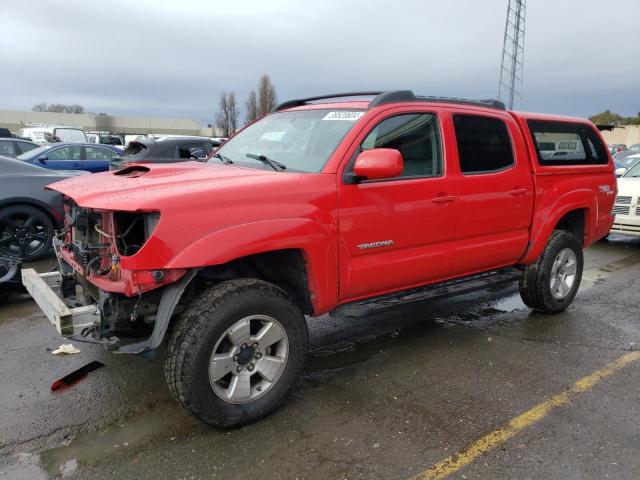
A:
x: 510, y: 85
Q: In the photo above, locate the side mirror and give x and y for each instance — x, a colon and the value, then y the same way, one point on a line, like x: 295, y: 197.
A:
x: 378, y: 164
x: 620, y: 171
x: 43, y: 159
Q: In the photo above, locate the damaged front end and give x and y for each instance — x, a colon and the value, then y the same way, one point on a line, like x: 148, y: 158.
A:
x: 98, y: 295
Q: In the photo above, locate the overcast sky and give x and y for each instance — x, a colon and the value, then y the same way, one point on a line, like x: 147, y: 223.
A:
x: 174, y: 58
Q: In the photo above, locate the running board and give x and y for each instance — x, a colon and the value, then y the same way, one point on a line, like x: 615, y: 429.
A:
x: 430, y: 292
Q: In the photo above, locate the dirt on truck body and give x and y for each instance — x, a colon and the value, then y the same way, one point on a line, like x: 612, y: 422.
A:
x: 350, y: 202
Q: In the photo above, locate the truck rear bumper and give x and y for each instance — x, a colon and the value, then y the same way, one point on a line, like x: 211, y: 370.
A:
x: 626, y: 225
x: 68, y: 319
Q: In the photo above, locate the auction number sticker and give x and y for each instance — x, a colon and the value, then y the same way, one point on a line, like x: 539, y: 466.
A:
x: 343, y: 115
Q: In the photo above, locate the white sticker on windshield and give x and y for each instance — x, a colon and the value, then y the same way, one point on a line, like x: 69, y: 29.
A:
x: 342, y: 115
x: 272, y: 136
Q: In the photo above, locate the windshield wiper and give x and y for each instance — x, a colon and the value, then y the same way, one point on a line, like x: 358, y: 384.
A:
x: 277, y: 166
x: 223, y: 159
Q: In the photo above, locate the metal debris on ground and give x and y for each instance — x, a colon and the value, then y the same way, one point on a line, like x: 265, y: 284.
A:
x: 76, y: 375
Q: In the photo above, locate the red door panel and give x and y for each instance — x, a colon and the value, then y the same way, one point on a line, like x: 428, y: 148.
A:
x: 494, y: 210
x: 406, y: 213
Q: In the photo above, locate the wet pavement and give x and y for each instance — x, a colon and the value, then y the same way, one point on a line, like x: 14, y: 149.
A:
x: 385, y: 396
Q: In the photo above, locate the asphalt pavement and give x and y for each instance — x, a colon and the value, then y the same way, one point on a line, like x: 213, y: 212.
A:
x: 427, y: 391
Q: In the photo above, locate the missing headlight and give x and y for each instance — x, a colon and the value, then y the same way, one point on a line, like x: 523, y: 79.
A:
x: 133, y: 230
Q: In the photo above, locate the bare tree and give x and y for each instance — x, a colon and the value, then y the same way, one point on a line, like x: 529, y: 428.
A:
x: 58, y: 108
x: 228, y: 112
x: 252, y: 107
x: 267, y: 98
x: 73, y: 108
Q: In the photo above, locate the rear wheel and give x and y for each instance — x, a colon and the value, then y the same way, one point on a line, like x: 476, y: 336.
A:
x: 26, y: 232
x: 550, y: 284
x: 236, y: 352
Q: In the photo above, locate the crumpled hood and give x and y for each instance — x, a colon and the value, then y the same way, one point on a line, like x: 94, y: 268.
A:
x: 155, y: 186
x: 629, y: 187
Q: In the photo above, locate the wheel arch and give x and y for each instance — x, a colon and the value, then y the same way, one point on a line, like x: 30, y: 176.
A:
x: 575, y: 212
x: 47, y: 209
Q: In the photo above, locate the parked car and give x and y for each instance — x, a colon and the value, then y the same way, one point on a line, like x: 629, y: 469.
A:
x: 619, y: 156
x: 626, y: 164
x: 106, y: 139
x: 29, y: 214
x: 88, y: 157
x: 12, y: 147
x: 52, y: 133
x: 5, y: 133
x: 616, y: 147
x: 326, y: 205
x: 627, y: 204
x: 165, y: 150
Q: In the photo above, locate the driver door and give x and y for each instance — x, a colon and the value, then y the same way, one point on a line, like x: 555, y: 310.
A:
x: 397, y: 233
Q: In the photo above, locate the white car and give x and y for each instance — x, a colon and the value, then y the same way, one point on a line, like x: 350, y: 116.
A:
x: 627, y: 205
x: 52, y: 133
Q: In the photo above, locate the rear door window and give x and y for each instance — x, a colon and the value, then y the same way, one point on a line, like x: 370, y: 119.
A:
x: 484, y: 144
x: 98, y: 153
x: 575, y: 143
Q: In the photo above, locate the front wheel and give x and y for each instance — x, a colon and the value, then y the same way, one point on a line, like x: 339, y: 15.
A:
x: 550, y: 284
x: 236, y: 352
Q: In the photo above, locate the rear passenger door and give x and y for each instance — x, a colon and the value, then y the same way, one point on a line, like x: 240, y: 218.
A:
x: 96, y: 159
x: 495, y: 192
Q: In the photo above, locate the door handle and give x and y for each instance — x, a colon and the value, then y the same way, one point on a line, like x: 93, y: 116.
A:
x: 518, y: 191
x: 444, y: 199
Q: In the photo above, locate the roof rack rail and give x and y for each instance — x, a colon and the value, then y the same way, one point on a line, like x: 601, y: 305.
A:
x: 393, y: 96
x: 302, y: 101
x: 490, y: 103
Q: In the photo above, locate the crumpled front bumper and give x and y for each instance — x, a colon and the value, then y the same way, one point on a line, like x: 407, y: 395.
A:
x: 69, y: 319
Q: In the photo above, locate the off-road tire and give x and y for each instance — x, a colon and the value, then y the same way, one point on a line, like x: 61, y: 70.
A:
x: 535, y: 288
x: 200, y: 327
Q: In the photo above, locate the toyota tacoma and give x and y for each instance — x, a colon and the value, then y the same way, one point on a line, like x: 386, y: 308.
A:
x: 348, y: 204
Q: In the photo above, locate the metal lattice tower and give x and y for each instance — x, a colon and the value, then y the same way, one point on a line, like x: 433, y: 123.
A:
x: 512, y: 65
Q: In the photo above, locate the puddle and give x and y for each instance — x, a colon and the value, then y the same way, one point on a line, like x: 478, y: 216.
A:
x: 164, y: 421
x: 22, y: 466
x: 346, y: 354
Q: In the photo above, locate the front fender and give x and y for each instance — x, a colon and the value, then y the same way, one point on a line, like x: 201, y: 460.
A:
x: 549, y: 213
x: 317, y: 242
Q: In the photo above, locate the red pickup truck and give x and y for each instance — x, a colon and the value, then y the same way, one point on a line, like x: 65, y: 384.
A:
x: 346, y: 203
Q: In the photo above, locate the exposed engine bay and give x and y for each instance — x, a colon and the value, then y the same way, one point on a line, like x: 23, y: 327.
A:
x: 89, y: 251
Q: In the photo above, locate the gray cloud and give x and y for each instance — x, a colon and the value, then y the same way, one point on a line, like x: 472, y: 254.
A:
x: 151, y: 58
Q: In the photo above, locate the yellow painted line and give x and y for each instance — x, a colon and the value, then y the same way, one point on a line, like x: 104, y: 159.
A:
x: 455, y: 462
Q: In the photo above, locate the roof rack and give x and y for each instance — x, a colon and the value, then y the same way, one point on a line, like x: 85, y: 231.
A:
x: 393, y: 96
x: 302, y: 101
x: 488, y: 103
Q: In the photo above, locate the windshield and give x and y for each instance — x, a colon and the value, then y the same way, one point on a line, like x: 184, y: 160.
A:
x: 629, y: 161
x: 634, y: 172
x: 300, y: 140
x: 36, y: 152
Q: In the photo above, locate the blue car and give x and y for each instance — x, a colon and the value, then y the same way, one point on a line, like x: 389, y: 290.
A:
x: 89, y: 157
